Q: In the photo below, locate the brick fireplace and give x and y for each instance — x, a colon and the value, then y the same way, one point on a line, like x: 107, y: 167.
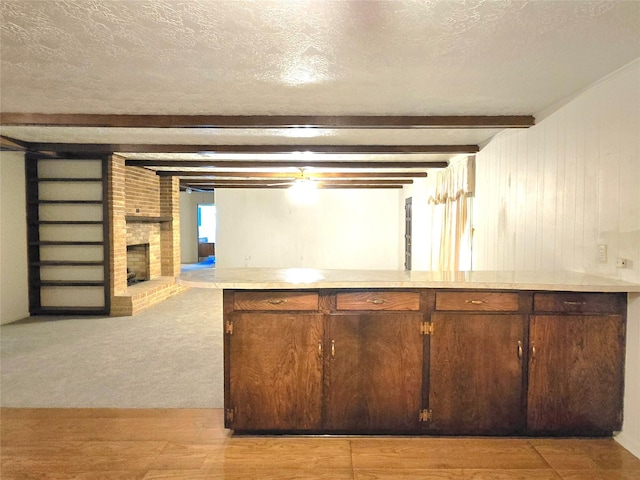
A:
x: 144, y: 210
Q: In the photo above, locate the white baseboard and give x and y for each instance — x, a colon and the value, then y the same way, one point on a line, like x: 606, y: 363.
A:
x: 631, y: 444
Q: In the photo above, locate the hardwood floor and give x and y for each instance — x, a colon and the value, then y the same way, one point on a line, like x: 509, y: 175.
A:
x: 142, y: 444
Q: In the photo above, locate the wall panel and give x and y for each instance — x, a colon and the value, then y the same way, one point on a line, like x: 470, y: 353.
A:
x: 582, y: 189
x: 14, y: 298
x: 343, y: 229
x: 549, y: 195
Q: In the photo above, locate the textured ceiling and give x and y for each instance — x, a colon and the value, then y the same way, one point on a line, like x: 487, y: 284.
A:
x: 308, y: 57
x: 296, y: 57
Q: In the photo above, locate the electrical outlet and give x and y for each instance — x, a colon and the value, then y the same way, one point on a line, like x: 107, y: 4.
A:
x: 602, y: 253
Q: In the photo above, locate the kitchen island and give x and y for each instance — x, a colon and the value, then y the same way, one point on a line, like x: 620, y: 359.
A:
x: 395, y: 352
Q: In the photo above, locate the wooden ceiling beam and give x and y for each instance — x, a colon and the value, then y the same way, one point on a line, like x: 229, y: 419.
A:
x: 205, y: 177
x: 299, y: 164
x: 271, y: 182
x: 11, y: 144
x: 268, y: 121
x: 255, y: 149
x: 325, y: 187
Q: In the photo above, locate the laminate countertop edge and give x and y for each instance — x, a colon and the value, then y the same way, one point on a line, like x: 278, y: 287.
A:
x: 304, y: 278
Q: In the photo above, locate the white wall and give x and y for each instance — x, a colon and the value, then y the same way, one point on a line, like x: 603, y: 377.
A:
x: 189, y: 224
x: 546, y: 197
x: 344, y: 229
x: 14, y: 297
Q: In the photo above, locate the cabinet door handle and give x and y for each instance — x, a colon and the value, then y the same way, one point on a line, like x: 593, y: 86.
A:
x: 376, y: 301
x: 277, y: 301
x: 533, y: 353
x: 319, y: 348
x: 476, y: 302
x: 519, y: 350
x: 333, y: 349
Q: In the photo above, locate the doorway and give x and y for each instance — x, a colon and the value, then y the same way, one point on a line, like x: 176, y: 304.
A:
x: 407, y: 233
x: 206, y: 232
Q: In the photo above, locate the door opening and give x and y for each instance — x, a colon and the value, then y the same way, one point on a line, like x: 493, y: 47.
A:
x: 407, y: 233
x: 207, y: 232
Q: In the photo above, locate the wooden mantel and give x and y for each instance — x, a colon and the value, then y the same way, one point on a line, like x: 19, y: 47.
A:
x: 147, y: 219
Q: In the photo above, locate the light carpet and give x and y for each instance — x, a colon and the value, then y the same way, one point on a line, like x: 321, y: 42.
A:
x: 168, y: 356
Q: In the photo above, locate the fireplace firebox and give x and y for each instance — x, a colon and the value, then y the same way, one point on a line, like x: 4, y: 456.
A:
x: 137, y: 263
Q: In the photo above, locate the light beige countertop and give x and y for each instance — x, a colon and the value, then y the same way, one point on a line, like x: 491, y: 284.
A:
x: 300, y: 278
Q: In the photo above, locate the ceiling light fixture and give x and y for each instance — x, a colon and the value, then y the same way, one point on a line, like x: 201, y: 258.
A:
x: 304, y: 131
x: 303, y: 190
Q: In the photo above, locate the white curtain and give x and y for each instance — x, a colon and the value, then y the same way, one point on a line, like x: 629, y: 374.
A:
x: 452, y: 215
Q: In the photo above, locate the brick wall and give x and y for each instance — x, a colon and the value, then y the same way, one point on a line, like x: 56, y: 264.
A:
x: 142, y: 190
x: 117, y: 226
x: 170, y: 232
x: 135, y: 191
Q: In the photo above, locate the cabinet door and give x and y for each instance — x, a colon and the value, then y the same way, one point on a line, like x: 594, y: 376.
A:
x: 274, y: 368
x: 475, y: 374
x: 373, y: 372
x: 575, y: 374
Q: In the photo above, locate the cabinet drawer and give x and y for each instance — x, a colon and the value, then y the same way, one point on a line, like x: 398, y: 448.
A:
x: 478, y: 301
x: 275, y: 301
x: 579, y: 302
x: 378, y: 301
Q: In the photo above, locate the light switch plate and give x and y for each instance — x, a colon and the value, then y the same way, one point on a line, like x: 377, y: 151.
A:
x: 602, y: 253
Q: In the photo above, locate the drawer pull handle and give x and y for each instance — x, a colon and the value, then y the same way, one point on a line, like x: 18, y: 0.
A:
x: 376, y: 301
x: 277, y: 301
x: 476, y: 302
x: 519, y: 350
x: 333, y: 349
x: 574, y: 304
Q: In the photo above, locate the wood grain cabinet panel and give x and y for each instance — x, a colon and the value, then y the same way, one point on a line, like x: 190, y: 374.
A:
x: 579, y: 302
x: 373, y: 372
x: 475, y: 377
x: 281, y: 301
x: 379, y: 300
x: 478, y: 301
x: 274, y: 371
x: 576, y: 374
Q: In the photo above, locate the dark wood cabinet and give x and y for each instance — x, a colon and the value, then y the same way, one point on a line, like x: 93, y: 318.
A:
x: 275, y: 381
x: 373, y: 372
x: 424, y: 361
x: 576, y: 364
x: 475, y: 363
x: 475, y: 375
x: 345, y: 362
x: 206, y: 249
